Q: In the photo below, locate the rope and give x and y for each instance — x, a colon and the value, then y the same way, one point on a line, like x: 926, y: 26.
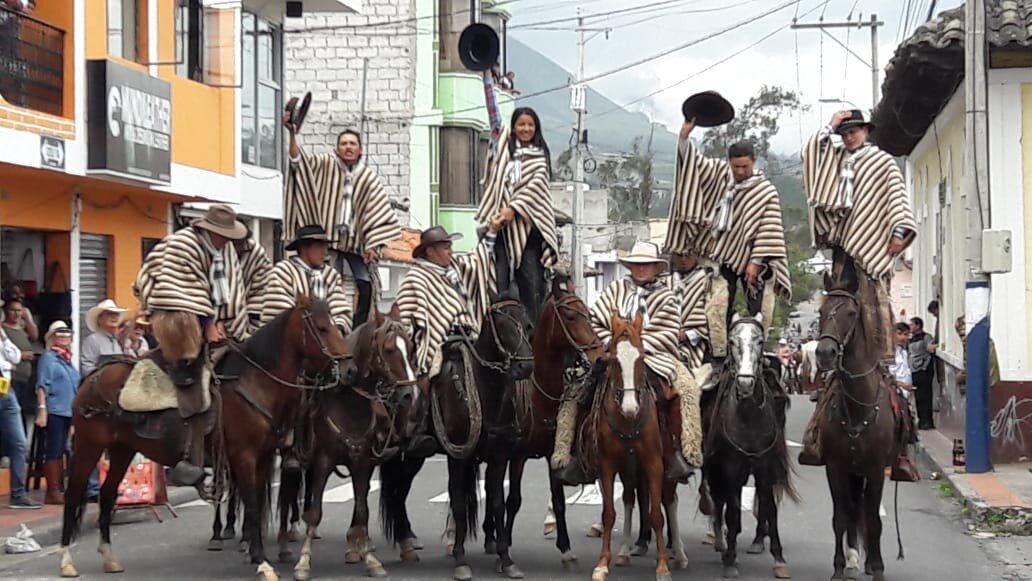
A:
x: 899, y: 538
x: 460, y: 451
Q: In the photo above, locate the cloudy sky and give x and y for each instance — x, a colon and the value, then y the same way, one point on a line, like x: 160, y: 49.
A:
x: 765, y: 51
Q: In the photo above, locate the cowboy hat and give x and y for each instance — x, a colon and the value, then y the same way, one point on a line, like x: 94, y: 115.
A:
x: 57, y: 327
x: 310, y: 232
x: 644, y: 253
x: 221, y: 219
x: 298, y: 110
x: 708, y: 108
x: 855, y: 119
x: 431, y: 236
x: 104, y: 306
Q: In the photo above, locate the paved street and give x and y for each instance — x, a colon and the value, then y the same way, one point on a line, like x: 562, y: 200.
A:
x: 936, y: 545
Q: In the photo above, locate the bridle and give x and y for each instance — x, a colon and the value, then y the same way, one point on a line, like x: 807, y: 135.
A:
x: 640, y: 392
x: 732, y: 358
x: 508, y: 357
x: 762, y: 386
x: 569, y: 302
x: 387, y: 383
x: 842, y: 342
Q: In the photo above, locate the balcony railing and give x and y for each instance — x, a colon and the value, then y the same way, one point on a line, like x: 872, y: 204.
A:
x: 31, y: 62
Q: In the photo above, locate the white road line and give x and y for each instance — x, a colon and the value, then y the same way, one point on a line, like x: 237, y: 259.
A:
x: 592, y: 495
x: 793, y: 444
x: 748, y: 496
x: 345, y: 493
x: 442, y: 498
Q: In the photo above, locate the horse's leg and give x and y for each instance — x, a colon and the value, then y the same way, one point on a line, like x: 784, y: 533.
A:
x: 514, y: 500
x: 494, y: 512
x: 839, y: 487
x: 641, y: 546
x: 294, y: 534
x: 769, y: 515
x: 459, y: 489
x: 490, y: 539
x: 733, y: 518
x: 652, y: 464
x: 854, y: 510
x: 632, y: 486
x: 497, y: 505
x: 84, y: 458
x: 252, y: 479
x: 607, y: 474
x: 763, y: 486
x: 120, y: 457
x: 358, y: 534
x: 875, y: 566
x: 318, y: 474
x: 673, y: 526
x: 406, y: 535
x: 719, y: 502
x: 289, y: 489
x: 562, y: 534
x: 215, y: 542
x: 229, y: 533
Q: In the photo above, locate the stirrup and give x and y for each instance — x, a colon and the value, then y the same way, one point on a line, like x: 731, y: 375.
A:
x: 808, y: 457
x: 186, y: 474
x: 421, y: 446
x: 678, y: 470
x: 573, y: 475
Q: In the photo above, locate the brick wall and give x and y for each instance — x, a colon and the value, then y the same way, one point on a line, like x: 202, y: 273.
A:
x: 20, y: 119
x: 328, y: 59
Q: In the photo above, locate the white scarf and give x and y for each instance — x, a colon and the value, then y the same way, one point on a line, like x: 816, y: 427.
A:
x: 721, y: 221
x: 316, y: 278
x: 515, y: 173
x: 844, y: 199
x: 347, y: 189
x: 216, y: 273
x: 636, y: 301
x: 450, y: 274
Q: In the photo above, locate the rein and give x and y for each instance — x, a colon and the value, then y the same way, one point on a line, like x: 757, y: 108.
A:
x: 842, y: 342
x: 730, y: 389
x: 566, y: 302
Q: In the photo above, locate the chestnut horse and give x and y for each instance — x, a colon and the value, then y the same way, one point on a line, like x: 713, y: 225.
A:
x: 626, y: 423
x: 857, y: 432
x: 259, y: 394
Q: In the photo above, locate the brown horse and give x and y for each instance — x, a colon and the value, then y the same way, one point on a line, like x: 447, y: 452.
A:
x: 625, y: 420
x: 563, y: 340
x: 355, y: 426
x: 856, y: 433
x: 258, y: 391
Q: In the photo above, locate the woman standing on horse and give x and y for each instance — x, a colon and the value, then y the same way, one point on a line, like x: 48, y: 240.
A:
x: 516, y: 188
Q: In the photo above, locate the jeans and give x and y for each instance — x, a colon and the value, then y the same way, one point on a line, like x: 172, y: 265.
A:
x: 923, y: 398
x: 57, y: 436
x: 14, y: 443
x: 363, y: 282
x: 529, y: 277
x: 753, y: 296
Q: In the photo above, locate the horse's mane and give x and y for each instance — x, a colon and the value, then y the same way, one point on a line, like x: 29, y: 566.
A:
x: 266, y: 345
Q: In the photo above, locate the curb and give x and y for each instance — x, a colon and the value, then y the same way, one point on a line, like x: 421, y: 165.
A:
x: 48, y: 533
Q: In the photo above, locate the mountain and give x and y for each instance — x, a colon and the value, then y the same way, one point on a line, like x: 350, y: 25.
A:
x: 609, y: 134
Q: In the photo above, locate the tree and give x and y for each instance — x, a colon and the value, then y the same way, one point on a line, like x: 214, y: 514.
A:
x: 629, y: 181
x: 757, y: 121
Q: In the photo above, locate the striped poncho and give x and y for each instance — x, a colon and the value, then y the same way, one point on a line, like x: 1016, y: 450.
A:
x: 287, y: 280
x: 254, y: 271
x: 176, y: 277
x: 430, y: 306
x: 692, y: 292
x: 315, y: 194
x: 661, y: 326
x: 879, y: 203
x: 698, y: 185
x: 520, y: 181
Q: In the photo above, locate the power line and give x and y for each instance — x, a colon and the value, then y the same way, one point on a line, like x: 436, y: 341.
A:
x: 597, y: 14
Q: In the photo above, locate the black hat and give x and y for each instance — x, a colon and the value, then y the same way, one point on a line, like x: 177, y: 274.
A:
x: 479, y: 47
x: 298, y: 111
x: 708, y: 109
x: 311, y: 232
x: 431, y: 236
x: 855, y: 119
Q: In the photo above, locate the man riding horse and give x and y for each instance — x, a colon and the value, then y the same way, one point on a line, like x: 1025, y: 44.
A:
x: 191, y: 285
x: 444, y: 299
x: 690, y: 283
x: 306, y: 274
x: 861, y: 211
x: 644, y: 291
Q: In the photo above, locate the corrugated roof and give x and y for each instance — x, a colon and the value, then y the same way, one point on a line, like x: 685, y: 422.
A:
x: 928, y: 67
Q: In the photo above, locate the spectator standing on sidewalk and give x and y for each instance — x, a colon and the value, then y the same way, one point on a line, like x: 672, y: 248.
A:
x: 11, y: 426
x: 900, y: 368
x: 56, y: 385
x: 21, y: 375
x: 921, y: 348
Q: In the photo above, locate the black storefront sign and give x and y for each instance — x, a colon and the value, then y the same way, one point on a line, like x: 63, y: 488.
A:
x: 129, y: 123
x: 51, y: 152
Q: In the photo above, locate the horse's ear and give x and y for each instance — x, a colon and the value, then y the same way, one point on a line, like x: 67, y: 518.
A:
x: 735, y: 317
x: 395, y: 312
x: 379, y: 317
x: 759, y: 318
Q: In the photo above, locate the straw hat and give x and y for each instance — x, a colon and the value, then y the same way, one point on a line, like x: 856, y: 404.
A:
x: 104, y: 306
x: 644, y: 253
x: 221, y: 219
x: 57, y: 327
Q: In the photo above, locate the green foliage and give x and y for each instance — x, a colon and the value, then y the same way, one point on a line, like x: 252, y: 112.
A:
x: 630, y: 182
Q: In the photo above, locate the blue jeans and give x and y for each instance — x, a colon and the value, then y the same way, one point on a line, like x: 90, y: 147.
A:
x: 13, y: 434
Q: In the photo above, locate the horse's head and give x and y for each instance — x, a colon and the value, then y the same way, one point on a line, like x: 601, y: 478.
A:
x: 839, y: 321
x: 745, y: 352
x: 391, y: 352
x: 510, y: 330
x: 320, y: 342
x: 566, y: 324
x: 627, y: 355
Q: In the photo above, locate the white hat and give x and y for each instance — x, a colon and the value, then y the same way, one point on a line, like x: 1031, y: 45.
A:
x: 782, y: 341
x: 55, y: 327
x: 104, y: 306
x: 644, y: 253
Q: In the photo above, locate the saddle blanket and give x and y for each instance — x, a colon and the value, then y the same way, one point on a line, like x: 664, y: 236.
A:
x: 149, y: 389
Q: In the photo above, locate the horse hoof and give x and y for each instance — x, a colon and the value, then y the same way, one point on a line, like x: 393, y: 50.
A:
x: 622, y: 560
x: 294, y: 535
x: 215, y: 545
x: 512, y: 572
x: 781, y: 571
x: 490, y: 548
x: 664, y: 576
x: 243, y: 546
x: 640, y: 550
x: 69, y: 571
x: 229, y: 534
x: 449, y: 550
x: 302, y: 574
x: 852, y: 573
x: 377, y: 571
x: 352, y: 556
x: 756, y: 548
x: 600, y: 574
x: 730, y: 572
x: 549, y: 528
x: 681, y: 564
x: 595, y: 532
x: 570, y: 563
x: 267, y: 573
x: 415, y: 543
x: 463, y: 573
x: 878, y: 576
x: 286, y: 556
x: 708, y: 538
x: 410, y: 555
x: 838, y: 575
x: 113, y: 567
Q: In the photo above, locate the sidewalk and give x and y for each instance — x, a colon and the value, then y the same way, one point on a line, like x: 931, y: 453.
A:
x: 1000, y: 500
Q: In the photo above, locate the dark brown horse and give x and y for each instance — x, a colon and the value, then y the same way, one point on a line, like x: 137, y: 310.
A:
x: 626, y: 424
x: 355, y: 426
x: 258, y: 391
x: 857, y: 432
x: 563, y: 340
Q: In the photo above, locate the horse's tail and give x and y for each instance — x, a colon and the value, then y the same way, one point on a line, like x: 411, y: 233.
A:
x: 392, y: 498
x: 73, y: 513
x: 471, y: 500
x: 783, y: 470
x: 291, y: 491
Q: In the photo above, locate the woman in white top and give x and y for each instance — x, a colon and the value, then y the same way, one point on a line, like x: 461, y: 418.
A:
x: 900, y: 367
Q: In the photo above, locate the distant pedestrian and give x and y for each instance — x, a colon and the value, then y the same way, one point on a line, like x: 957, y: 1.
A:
x: 921, y: 348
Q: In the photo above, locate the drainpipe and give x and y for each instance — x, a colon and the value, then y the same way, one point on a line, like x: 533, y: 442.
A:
x: 73, y: 261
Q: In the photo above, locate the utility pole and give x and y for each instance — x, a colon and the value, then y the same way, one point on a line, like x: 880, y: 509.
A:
x: 873, y: 24
x: 976, y: 202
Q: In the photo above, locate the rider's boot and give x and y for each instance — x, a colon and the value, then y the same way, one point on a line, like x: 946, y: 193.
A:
x: 186, y: 375
x: 903, y: 469
x: 573, y: 475
x: 289, y: 453
x: 678, y: 469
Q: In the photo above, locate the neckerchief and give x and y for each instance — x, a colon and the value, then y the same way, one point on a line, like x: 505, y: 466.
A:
x: 450, y: 274
x: 217, y: 273
x: 347, y: 189
x: 316, y: 278
x: 62, y: 353
x: 722, y: 213
x: 844, y: 199
x: 516, y: 162
x: 637, y: 301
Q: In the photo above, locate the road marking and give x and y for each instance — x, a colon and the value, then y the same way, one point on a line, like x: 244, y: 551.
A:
x: 748, y: 496
x: 442, y: 498
x: 345, y: 493
x: 191, y: 504
x: 592, y: 494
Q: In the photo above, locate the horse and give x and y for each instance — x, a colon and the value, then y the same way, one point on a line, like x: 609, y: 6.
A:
x: 626, y: 423
x: 857, y: 432
x: 257, y: 390
x: 355, y: 426
x: 746, y: 436
x: 563, y: 340
x: 501, y: 351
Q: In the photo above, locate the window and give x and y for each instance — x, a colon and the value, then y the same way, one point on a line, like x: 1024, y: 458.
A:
x: 260, y: 95
x: 189, y: 39
x: 123, y: 29
x: 463, y: 154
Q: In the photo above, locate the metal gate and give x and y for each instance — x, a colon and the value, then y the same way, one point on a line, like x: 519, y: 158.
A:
x: 93, y: 274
